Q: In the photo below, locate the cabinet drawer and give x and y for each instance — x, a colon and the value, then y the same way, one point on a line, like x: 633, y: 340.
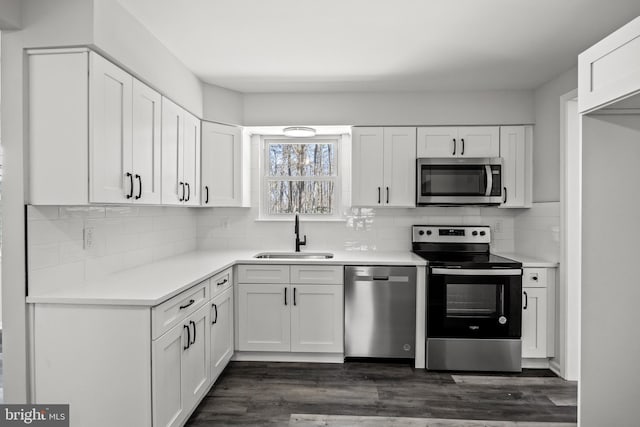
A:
x: 317, y: 274
x: 263, y: 274
x: 220, y: 282
x: 169, y: 313
x: 534, y: 277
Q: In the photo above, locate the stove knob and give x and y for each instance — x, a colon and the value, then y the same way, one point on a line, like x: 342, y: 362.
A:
x: 475, y: 233
x: 482, y: 233
x: 421, y: 232
x: 428, y: 232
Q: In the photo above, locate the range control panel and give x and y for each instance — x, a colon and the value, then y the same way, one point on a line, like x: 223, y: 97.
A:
x: 451, y: 233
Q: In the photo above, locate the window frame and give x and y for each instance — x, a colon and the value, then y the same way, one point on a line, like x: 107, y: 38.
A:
x: 265, y: 179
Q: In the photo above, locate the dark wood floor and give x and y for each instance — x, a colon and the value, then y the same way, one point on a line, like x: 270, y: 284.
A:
x: 266, y: 394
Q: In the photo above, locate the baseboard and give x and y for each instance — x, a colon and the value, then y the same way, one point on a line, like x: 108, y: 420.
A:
x: 555, y: 368
x: 535, y: 363
x: 267, y: 356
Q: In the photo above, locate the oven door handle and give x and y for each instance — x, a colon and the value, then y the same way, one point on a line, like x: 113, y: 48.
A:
x: 477, y: 272
x: 489, y: 180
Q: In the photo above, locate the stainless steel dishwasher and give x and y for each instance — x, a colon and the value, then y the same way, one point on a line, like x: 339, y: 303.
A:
x: 380, y: 311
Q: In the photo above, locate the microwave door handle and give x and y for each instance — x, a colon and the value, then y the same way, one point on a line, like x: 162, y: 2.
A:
x: 489, y: 180
x: 501, y: 301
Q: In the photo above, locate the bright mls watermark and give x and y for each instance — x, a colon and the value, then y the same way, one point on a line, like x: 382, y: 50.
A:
x: 34, y: 415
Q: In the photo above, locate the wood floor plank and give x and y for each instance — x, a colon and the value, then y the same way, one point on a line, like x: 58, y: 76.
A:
x: 267, y: 394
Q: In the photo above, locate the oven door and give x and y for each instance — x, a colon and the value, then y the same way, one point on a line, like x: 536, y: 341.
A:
x: 474, y: 303
x: 459, y: 181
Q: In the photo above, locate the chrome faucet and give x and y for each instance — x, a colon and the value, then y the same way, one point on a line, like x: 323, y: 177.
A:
x: 297, y: 232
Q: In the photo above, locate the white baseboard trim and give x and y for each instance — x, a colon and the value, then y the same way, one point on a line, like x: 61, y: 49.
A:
x: 554, y: 365
x: 535, y: 363
x: 264, y: 356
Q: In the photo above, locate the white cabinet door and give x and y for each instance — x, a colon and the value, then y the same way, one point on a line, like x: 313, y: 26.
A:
x: 173, y: 190
x: 317, y: 319
x: 221, y: 165
x: 191, y: 159
x: 368, y: 164
x: 167, y: 377
x: 515, y: 150
x: 610, y: 70
x: 264, y: 323
x: 478, y: 141
x: 399, y: 166
x: 110, y: 165
x: 196, y: 358
x: 221, y: 332
x: 437, y: 141
x: 534, y: 322
x: 146, y: 143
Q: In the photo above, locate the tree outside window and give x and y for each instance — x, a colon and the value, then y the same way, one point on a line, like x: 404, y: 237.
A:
x: 301, y: 176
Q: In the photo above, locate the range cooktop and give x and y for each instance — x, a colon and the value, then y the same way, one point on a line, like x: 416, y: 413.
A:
x: 466, y: 246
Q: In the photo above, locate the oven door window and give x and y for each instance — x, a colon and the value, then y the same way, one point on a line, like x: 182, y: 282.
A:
x: 453, y: 180
x: 468, y: 300
x: 483, y: 306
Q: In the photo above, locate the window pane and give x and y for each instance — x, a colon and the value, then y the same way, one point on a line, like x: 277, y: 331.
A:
x: 305, y: 197
x: 301, y: 159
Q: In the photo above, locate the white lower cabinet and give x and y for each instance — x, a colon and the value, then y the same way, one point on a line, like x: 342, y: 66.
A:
x: 534, y: 322
x: 291, y: 317
x: 316, y: 318
x: 538, y: 313
x: 154, y: 364
x: 264, y: 321
x: 221, y: 332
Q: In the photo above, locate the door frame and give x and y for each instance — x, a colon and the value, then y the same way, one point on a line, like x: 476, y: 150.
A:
x: 567, y: 360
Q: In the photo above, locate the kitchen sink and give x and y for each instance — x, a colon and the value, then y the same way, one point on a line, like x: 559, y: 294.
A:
x: 294, y: 255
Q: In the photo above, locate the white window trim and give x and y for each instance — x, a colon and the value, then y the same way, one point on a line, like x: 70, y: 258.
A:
x: 337, y: 215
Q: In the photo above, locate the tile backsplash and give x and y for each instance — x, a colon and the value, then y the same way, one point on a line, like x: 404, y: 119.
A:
x: 60, y: 254
x: 362, y: 229
x: 537, y: 231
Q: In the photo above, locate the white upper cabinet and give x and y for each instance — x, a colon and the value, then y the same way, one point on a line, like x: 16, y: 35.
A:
x: 610, y: 70
x: 465, y: 141
x: 94, y: 131
x: 146, y: 143
x: 223, y: 165
x: 516, y: 153
x: 399, y: 166
x: 191, y: 159
x: 384, y: 162
x: 437, y: 141
x: 368, y: 160
x: 180, y: 156
x: 110, y: 147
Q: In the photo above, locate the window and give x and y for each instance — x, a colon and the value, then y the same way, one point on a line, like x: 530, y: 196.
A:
x: 300, y: 176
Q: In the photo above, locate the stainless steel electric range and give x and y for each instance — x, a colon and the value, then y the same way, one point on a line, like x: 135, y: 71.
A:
x: 474, y: 300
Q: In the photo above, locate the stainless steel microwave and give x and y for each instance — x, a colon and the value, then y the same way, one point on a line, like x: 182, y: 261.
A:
x: 459, y: 181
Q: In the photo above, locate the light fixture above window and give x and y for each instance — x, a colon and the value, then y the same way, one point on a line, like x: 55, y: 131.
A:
x: 299, y: 132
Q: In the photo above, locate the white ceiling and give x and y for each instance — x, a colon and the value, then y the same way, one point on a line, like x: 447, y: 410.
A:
x: 379, y: 45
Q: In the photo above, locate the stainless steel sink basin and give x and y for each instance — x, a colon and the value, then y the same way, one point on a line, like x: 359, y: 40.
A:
x: 294, y: 255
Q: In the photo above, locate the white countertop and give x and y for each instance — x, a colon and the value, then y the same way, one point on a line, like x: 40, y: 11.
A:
x: 152, y: 284
x: 528, y: 261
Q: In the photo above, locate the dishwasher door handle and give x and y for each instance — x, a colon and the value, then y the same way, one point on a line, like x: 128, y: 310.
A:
x: 385, y: 278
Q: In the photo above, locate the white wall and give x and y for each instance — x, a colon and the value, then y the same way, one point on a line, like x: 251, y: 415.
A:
x: 610, y: 348
x: 389, y: 108
x: 546, y: 136
x: 223, y: 105
x: 123, y: 237
x: 118, y: 34
x: 10, y: 15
